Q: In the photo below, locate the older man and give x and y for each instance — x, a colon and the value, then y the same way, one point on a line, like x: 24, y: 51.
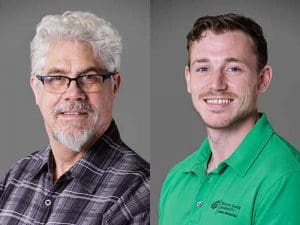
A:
x: 86, y: 175
x: 244, y: 172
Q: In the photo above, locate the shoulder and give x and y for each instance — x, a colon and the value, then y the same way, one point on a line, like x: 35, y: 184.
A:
x: 184, y: 165
x: 277, y: 139
x: 25, y: 167
x: 31, y: 161
x: 280, y: 157
x: 128, y: 160
x: 122, y: 156
x: 120, y: 164
x: 179, y: 173
x: 279, y: 167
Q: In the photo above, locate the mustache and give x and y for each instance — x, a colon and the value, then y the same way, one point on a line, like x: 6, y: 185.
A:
x: 225, y: 94
x: 80, y: 106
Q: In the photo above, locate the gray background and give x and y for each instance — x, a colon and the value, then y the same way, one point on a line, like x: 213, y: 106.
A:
x: 176, y: 130
x: 21, y: 127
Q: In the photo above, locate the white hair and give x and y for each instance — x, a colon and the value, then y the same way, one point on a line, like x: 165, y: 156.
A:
x: 74, y: 141
x: 104, y: 39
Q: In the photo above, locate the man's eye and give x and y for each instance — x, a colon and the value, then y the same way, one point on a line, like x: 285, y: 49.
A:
x: 51, y: 79
x: 202, y: 69
x: 90, y: 78
x: 233, y: 69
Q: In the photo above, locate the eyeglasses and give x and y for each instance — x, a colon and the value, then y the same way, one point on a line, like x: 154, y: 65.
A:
x: 87, y: 82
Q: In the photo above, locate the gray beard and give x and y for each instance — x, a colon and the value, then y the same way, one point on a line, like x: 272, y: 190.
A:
x: 73, y: 141
x: 69, y: 136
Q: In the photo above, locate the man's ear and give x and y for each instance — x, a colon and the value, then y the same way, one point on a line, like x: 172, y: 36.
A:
x: 116, y: 83
x: 264, y: 79
x: 35, y: 88
x: 187, y: 78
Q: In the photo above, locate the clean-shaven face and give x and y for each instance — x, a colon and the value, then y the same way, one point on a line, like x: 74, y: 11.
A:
x: 222, y: 78
x: 74, y: 118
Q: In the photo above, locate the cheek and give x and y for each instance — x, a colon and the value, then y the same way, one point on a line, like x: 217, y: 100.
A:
x: 195, y: 92
x: 102, y: 104
x: 248, y: 93
x: 196, y: 88
x: 46, y: 104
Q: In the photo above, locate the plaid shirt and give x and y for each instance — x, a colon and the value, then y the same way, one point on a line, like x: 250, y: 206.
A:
x: 108, y: 185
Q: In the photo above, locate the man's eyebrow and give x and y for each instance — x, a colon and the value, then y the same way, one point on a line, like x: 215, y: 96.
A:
x: 55, y: 70
x: 231, y: 59
x: 95, y: 69
x: 205, y: 60
x: 202, y: 60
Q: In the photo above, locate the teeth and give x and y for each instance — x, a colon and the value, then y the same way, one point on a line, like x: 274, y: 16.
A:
x: 218, y: 101
x: 71, y: 113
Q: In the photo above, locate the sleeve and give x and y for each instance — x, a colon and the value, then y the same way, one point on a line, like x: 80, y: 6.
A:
x: 281, y: 203
x: 3, y: 182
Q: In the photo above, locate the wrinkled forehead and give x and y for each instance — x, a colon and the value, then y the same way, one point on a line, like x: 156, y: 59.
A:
x: 70, y: 57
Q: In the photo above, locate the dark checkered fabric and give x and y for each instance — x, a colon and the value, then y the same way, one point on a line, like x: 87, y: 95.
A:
x: 108, y: 185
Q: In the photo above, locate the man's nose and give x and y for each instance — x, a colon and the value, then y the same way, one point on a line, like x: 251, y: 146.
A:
x: 74, y: 92
x: 218, y: 81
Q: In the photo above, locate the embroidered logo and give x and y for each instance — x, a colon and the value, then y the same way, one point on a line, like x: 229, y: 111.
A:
x: 225, y: 208
x: 214, y: 204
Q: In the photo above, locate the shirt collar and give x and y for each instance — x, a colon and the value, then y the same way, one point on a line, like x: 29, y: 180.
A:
x: 95, y: 160
x: 197, y: 162
x: 98, y: 158
x: 252, y: 145
x: 41, y: 160
x: 241, y: 159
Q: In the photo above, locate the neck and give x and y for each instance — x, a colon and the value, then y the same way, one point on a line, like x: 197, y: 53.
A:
x: 223, y: 142
x: 64, y: 158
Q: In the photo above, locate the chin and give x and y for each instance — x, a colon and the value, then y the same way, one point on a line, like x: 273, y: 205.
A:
x: 74, y: 140
x: 225, y: 122
x: 217, y: 121
x: 218, y: 125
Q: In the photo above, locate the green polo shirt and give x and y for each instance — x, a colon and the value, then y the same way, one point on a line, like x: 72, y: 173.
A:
x: 259, y: 184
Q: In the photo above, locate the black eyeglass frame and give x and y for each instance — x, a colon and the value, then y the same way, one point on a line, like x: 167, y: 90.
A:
x: 76, y: 79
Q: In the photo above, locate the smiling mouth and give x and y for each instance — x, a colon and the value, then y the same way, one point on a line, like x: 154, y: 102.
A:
x: 73, y: 113
x: 218, y: 101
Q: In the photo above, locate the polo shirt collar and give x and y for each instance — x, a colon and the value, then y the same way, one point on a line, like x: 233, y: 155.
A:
x: 241, y: 159
x: 252, y: 145
x: 197, y: 162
